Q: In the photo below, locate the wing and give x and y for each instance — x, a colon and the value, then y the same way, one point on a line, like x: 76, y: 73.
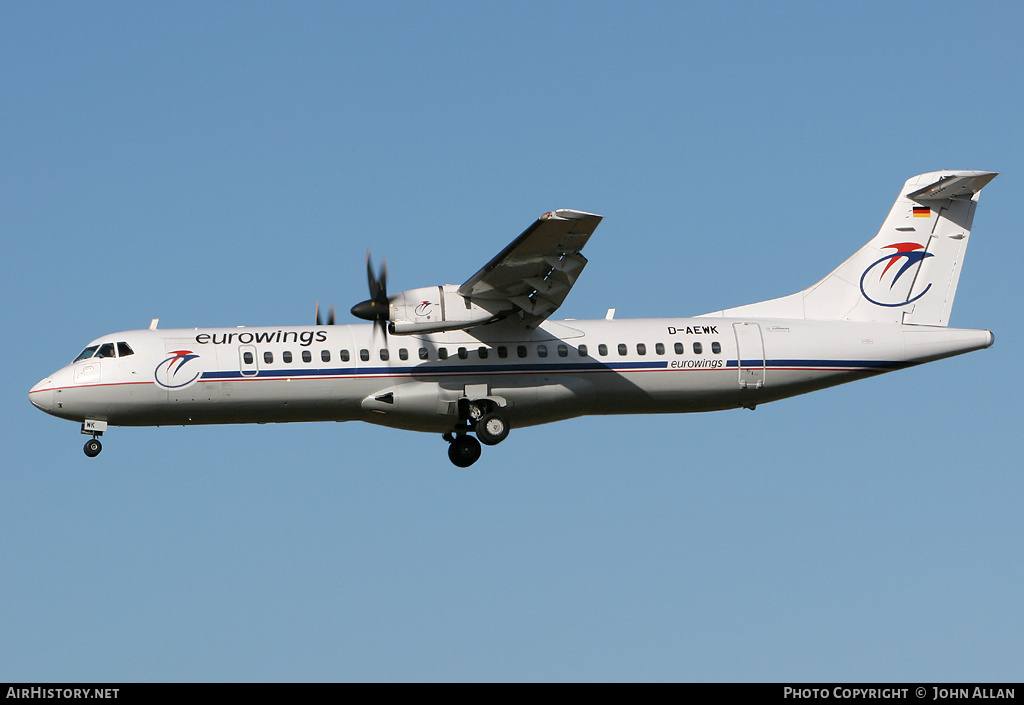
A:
x: 533, y: 275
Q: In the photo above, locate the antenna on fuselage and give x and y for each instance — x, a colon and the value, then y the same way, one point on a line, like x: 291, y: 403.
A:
x: 153, y: 323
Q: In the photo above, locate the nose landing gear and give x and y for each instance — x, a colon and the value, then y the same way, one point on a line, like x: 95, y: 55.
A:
x: 94, y: 429
x: 93, y: 447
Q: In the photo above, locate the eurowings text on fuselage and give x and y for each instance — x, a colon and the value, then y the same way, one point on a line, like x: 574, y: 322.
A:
x: 484, y: 358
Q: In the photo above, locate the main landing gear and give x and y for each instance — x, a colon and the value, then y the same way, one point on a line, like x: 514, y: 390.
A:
x: 463, y: 450
x: 482, y: 417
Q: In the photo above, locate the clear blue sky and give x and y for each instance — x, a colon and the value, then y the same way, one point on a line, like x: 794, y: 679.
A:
x: 220, y: 164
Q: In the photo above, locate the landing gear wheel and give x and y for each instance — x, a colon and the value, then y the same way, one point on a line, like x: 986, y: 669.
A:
x: 93, y: 447
x: 492, y: 429
x: 464, y: 451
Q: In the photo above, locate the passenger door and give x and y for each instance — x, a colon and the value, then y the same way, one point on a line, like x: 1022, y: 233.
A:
x: 248, y: 364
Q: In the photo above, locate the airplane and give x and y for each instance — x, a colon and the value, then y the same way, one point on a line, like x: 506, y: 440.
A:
x: 472, y: 362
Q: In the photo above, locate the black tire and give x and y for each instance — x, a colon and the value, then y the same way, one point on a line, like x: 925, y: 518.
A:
x: 492, y: 429
x: 93, y: 447
x: 464, y: 451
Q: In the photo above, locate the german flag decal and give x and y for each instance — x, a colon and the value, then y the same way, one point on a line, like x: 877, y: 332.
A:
x: 922, y: 212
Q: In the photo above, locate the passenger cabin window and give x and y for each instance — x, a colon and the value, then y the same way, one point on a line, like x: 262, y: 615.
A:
x: 698, y: 348
x: 659, y: 348
x: 622, y: 348
x: 123, y: 350
x: 247, y: 357
x: 364, y: 355
x: 641, y: 349
x: 521, y: 350
x: 424, y: 354
x: 307, y: 356
x: 384, y: 354
x: 502, y: 352
x: 463, y: 353
x: 325, y: 355
x: 542, y: 351
x: 563, y: 351
x: 679, y: 348
x: 716, y: 348
x: 268, y: 357
x: 345, y: 357
x: 442, y: 353
x: 403, y: 354
x: 286, y: 356
x: 602, y: 350
x: 582, y: 350
x: 482, y: 352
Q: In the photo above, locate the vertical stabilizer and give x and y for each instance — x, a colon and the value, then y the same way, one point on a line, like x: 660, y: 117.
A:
x: 909, y: 272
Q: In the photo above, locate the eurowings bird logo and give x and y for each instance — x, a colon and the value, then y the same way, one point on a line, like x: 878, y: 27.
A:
x: 424, y: 308
x: 169, y: 375
x: 912, y: 254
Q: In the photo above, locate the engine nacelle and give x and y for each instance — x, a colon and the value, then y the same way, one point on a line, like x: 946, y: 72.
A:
x: 436, y: 308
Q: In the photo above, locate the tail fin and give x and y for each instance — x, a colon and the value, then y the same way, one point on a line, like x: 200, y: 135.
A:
x: 909, y: 272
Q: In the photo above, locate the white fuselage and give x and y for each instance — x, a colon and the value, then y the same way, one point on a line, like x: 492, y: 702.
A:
x: 559, y: 370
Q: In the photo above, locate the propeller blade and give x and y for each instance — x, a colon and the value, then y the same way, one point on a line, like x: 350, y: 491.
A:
x: 376, y: 308
x: 380, y: 324
x: 378, y: 284
x: 330, y: 315
x: 371, y: 280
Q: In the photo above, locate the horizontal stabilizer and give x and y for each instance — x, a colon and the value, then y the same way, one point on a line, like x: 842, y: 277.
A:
x: 959, y: 184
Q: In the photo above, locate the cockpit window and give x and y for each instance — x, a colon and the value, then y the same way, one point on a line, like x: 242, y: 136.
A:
x: 106, y: 350
x: 87, y: 353
x: 123, y: 350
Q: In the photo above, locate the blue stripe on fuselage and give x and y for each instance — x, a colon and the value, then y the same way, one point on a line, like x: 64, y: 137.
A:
x: 434, y: 368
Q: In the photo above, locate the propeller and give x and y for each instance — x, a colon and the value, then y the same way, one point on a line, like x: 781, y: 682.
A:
x: 330, y: 315
x: 375, y: 308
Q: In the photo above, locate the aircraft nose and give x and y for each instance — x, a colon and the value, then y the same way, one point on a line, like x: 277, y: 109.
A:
x: 41, y: 395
